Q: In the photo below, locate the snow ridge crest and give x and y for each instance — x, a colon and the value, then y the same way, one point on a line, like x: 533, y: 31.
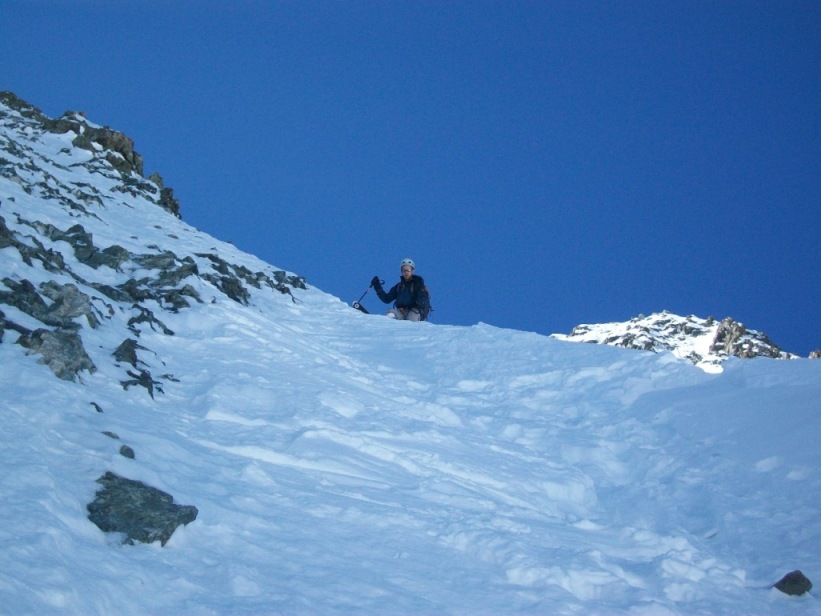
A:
x: 707, y: 343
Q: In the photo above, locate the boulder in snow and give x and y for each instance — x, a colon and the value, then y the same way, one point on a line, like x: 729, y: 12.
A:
x: 794, y: 583
x: 140, y: 512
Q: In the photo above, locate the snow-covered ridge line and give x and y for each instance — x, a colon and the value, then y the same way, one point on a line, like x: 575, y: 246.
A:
x: 75, y: 209
x: 705, y: 342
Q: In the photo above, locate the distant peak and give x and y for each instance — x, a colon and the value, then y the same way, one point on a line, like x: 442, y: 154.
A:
x: 705, y: 342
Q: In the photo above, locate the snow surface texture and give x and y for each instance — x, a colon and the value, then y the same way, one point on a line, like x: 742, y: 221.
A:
x: 348, y: 463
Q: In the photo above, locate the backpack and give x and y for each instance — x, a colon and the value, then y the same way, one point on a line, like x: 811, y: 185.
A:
x: 423, y: 303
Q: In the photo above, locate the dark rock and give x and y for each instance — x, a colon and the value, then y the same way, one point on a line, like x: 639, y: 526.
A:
x: 24, y: 297
x: 27, y: 110
x: 172, y: 276
x: 120, y: 148
x: 172, y: 271
x: 135, y: 291
x: 83, y: 244
x: 113, y: 256
x: 732, y: 339
x: 53, y: 261
x: 140, y: 512
x: 146, y: 316
x: 118, y: 295
x: 163, y: 260
x: 6, y: 236
x: 6, y: 324
x: 127, y: 452
x: 231, y: 286
x: 80, y: 240
x: 794, y: 583
x: 297, y: 282
x: 62, y: 351
x: 219, y: 264
x: 69, y: 303
x: 142, y: 379
x: 232, y: 276
x: 174, y: 300
x: 167, y: 200
x: 127, y: 351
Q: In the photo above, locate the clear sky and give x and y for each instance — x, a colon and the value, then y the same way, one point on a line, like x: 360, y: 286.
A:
x: 545, y: 163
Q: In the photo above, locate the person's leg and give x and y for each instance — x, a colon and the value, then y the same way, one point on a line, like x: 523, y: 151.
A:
x: 403, y: 315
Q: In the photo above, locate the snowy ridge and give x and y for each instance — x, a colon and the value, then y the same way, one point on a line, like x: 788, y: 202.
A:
x: 705, y: 342
x: 348, y: 463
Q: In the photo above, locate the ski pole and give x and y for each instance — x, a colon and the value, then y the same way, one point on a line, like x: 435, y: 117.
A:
x: 363, y: 295
x: 370, y: 286
x: 358, y: 303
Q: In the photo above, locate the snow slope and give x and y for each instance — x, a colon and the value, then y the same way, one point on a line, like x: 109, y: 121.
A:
x: 348, y: 463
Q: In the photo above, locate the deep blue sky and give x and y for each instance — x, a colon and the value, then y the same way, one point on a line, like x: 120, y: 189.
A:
x: 545, y: 163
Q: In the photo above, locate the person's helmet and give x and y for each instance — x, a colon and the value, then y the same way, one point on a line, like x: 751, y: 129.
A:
x: 407, y: 262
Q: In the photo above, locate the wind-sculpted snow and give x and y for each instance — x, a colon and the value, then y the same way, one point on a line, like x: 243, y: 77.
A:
x: 348, y: 463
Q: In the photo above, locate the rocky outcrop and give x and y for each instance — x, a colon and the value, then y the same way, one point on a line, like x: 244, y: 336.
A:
x: 24, y: 108
x: 61, y: 350
x: 66, y: 307
x: 138, y: 511
x: 733, y: 339
x: 167, y: 199
x: 110, y: 149
x: 118, y: 147
x: 50, y: 259
x: 705, y: 342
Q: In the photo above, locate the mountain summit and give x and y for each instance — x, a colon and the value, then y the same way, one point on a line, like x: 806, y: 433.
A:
x: 190, y: 430
x: 705, y: 342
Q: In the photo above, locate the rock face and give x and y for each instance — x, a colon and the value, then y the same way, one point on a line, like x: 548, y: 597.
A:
x: 66, y: 309
x: 705, y: 342
x: 105, y: 144
x: 61, y: 350
x: 138, y: 511
x: 79, y: 297
x: 119, y: 147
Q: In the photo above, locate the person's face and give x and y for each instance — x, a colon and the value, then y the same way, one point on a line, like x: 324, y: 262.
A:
x: 407, y: 272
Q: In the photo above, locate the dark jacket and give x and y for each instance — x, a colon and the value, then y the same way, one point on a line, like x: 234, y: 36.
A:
x: 405, y: 294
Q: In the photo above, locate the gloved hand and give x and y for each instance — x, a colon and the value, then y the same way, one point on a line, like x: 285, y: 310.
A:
x: 375, y: 282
